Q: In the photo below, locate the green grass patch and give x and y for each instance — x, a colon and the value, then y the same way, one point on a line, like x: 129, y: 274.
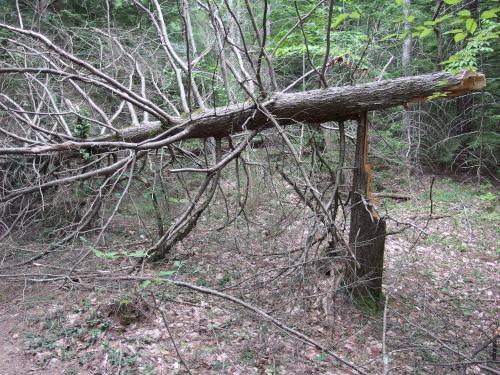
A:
x: 446, y: 241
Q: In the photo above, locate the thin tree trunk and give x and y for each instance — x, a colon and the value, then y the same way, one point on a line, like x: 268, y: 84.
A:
x: 406, y: 56
x: 405, y: 61
x: 464, y: 106
x: 437, y: 33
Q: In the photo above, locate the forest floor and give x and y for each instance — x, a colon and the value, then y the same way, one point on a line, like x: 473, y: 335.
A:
x: 441, y: 288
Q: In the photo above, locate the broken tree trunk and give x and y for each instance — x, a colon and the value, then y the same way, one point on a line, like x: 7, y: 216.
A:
x: 334, y: 104
x: 367, y: 230
x: 314, y: 106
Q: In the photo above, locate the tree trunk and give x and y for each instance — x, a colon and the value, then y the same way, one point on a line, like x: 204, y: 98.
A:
x: 405, y: 61
x: 437, y: 33
x: 464, y: 108
x: 406, y: 56
x: 367, y: 230
x: 314, y: 106
x: 323, y: 105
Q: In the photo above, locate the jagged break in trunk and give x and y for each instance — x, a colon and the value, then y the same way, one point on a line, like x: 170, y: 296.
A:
x: 367, y: 230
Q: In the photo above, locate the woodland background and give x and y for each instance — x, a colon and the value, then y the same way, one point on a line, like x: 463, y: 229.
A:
x: 128, y: 249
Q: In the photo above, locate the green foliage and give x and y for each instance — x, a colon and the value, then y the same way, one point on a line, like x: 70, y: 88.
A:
x: 105, y: 255
x: 81, y: 128
x: 248, y: 356
x: 346, y: 39
x: 488, y: 196
x: 114, y: 255
x: 478, y: 34
x: 370, y: 305
x: 85, y: 154
x: 321, y: 357
x: 450, y: 242
x: 166, y: 274
x: 478, y: 44
x: 226, y: 278
x: 474, y: 34
x: 437, y: 94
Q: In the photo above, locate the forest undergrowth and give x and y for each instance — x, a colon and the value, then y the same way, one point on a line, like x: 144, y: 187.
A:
x: 439, y: 313
x: 244, y: 187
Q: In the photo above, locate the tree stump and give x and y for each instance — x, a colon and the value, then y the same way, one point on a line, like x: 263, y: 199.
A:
x: 367, y: 230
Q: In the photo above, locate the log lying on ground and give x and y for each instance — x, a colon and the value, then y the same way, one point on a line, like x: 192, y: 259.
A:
x: 314, y: 106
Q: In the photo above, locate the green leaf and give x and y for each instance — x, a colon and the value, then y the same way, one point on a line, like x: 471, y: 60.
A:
x: 487, y: 14
x: 158, y: 281
x: 438, y: 94
x: 459, y: 37
x: 137, y: 254
x: 145, y: 284
x: 452, y: 2
x: 455, y: 31
x: 471, y: 25
x: 410, y: 18
x: 425, y: 33
x: 488, y: 196
x: 165, y: 273
x: 355, y: 15
x: 105, y: 255
x: 85, y: 154
x: 442, y: 82
x: 464, y: 13
x: 390, y: 36
x: 403, y: 34
x: 457, y: 21
x: 429, y: 23
x: 339, y: 19
x: 321, y: 357
x: 443, y: 18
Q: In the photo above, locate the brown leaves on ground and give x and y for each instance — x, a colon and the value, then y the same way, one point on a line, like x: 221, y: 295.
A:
x: 440, y: 279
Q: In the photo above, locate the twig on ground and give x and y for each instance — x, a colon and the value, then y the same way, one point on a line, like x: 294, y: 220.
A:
x: 165, y: 323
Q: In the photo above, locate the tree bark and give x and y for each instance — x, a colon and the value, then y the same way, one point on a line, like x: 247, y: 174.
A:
x: 437, y: 33
x: 314, y: 106
x: 367, y: 230
x: 405, y: 61
x: 464, y: 106
x: 334, y: 104
x: 406, y: 55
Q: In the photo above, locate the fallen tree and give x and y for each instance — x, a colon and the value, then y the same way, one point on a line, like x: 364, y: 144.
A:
x: 139, y: 131
x: 87, y: 130
x: 315, y: 106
